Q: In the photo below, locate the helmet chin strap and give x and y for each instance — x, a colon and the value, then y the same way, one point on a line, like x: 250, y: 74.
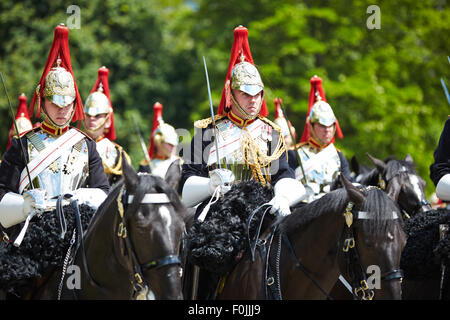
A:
x: 242, y: 111
x: 47, y: 117
x: 92, y: 131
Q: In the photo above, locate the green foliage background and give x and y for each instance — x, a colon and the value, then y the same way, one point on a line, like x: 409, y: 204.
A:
x: 383, y: 84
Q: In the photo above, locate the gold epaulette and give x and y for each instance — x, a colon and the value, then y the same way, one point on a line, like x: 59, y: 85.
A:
x: 301, y: 144
x: 273, y: 124
x: 203, y: 123
x: 117, y: 169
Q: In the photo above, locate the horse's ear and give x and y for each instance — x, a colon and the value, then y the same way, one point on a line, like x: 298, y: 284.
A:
x: 409, y: 159
x: 380, y: 164
x: 355, y: 165
x: 393, y: 190
x: 354, y: 194
x: 129, y: 174
x: 173, y: 174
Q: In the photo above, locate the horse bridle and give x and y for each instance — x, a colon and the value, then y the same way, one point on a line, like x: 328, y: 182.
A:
x: 423, y: 205
x: 360, y: 288
x: 141, y: 288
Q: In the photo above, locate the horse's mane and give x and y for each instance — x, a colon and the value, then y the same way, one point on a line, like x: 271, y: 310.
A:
x: 376, y: 202
x: 393, y: 167
x: 215, y: 242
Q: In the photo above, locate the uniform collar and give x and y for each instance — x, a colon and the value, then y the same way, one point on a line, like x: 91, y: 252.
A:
x: 240, y: 122
x: 100, y: 138
x: 315, y: 144
x: 52, y: 129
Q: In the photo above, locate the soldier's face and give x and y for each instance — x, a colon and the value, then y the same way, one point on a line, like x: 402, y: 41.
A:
x: 96, y: 122
x: 60, y: 116
x: 324, y: 133
x: 165, y: 149
x: 250, y: 104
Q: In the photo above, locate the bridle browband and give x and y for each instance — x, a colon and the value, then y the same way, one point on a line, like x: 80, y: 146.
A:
x: 360, y: 288
x: 383, y: 182
x: 140, y: 286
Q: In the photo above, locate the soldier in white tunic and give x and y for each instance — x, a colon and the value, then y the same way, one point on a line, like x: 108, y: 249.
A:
x: 162, y: 147
x: 321, y: 161
x: 22, y: 120
x: 99, y: 125
x: 247, y: 146
x: 250, y: 146
x: 285, y: 126
x: 55, y: 158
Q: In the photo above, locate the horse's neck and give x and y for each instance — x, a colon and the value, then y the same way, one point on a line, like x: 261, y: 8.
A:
x: 101, y: 249
x: 316, y: 247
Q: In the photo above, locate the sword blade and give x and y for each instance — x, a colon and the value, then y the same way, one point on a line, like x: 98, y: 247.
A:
x: 212, y: 114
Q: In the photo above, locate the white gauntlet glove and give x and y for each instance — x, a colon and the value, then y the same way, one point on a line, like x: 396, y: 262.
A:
x: 288, y: 192
x: 222, y: 178
x: 280, y: 205
x: 443, y: 188
x: 15, y: 208
x: 34, y: 200
x: 92, y: 197
x: 197, y: 189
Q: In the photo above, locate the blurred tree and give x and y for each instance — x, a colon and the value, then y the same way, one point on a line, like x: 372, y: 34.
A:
x: 133, y: 39
x: 383, y: 84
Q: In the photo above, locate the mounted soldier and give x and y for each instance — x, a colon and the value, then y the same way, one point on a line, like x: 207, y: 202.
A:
x: 22, y: 120
x: 162, y: 146
x: 52, y: 159
x: 285, y: 125
x: 238, y: 144
x: 321, y: 161
x: 440, y: 168
x: 99, y: 125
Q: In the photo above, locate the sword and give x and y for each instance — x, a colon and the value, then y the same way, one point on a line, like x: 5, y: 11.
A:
x: 17, y: 132
x: 445, y: 87
x: 293, y: 140
x: 443, y: 229
x: 212, y: 114
x: 445, y: 90
x: 141, y: 140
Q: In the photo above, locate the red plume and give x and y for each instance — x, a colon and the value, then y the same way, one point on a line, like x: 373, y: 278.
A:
x: 102, y: 78
x: 21, y: 113
x: 316, y: 86
x: 278, y: 111
x: 59, y: 49
x: 240, y: 47
x: 157, y: 117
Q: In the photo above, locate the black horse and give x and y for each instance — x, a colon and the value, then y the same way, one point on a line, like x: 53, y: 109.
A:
x: 130, y: 249
x: 401, y: 182
x: 310, y: 248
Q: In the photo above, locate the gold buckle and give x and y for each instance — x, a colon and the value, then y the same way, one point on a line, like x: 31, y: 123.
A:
x: 138, y: 278
x: 348, y: 215
x: 366, y: 294
x: 122, y: 233
x: 348, y: 244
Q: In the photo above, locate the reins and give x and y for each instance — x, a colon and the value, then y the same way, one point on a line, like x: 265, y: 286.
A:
x: 141, y: 288
x: 77, y: 240
x: 359, y: 286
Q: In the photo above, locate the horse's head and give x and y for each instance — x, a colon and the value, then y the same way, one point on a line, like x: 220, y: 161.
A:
x: 372, y: 242
x: 153, y: 217
x: 402, y: 183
